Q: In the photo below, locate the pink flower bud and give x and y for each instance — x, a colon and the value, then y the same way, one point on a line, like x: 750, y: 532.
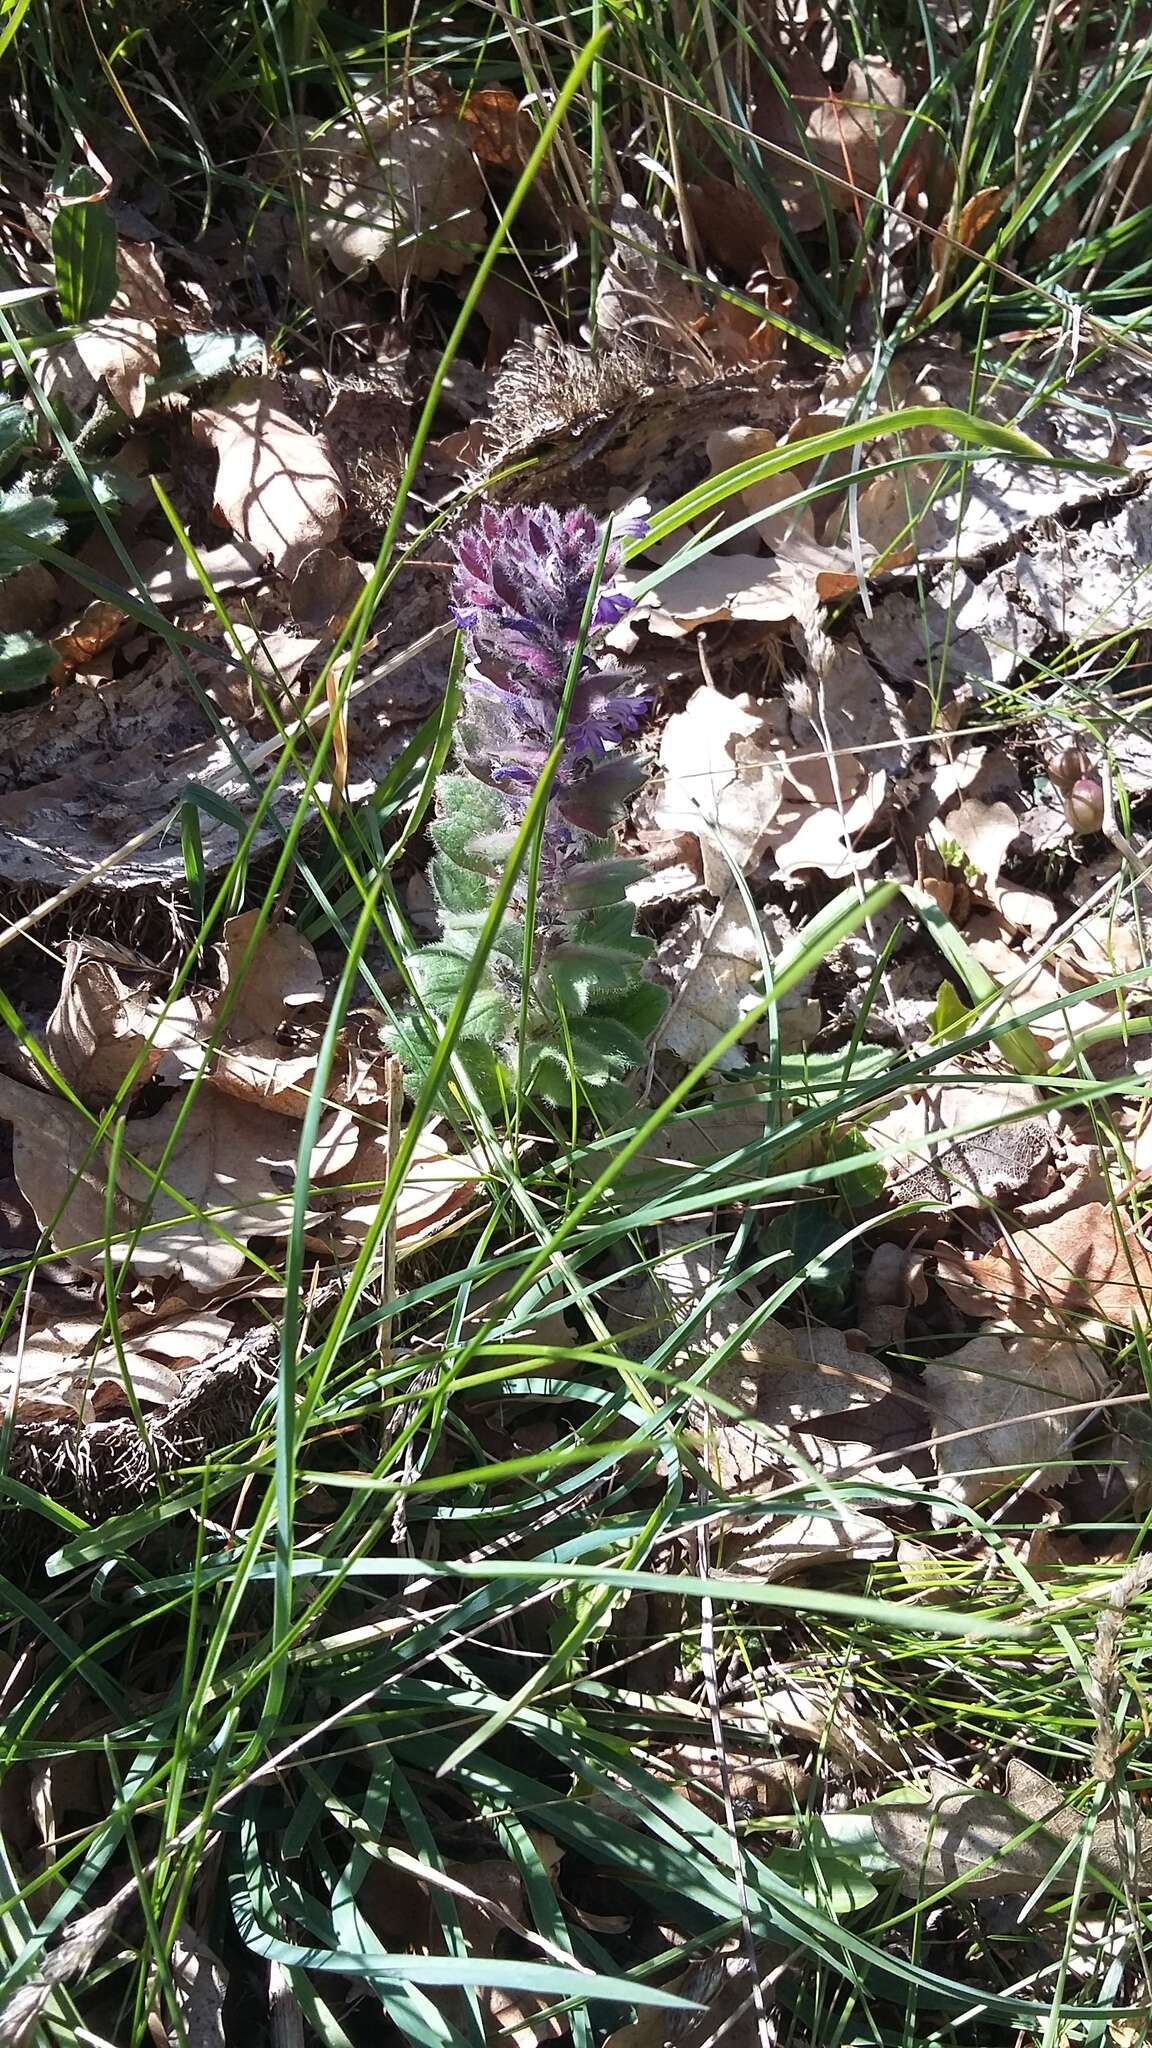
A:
x: 1084, y: 805
x: 1066, y: 765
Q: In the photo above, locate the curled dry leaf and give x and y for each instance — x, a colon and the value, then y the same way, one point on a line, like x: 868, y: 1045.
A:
x: 889, y: 1285
x: 260, y: 1072
x: 1035, y: 1795
x: 734, y: 229
x: 441, y: 1185
x: 965, y: 1145
x: 643, y: 294
x: 978, y: 1845
x: 1105, y: 945
x: 277, y: 656
x: 731, y: 445
x: 846, y: 721
x: 276, y: 484
x: 713, y: 961
x: 404, y: 197
x: 269, y: 972
x: 813, y: 1711
x: 71, y: 1367
x: 274, y: 980
x: 717, y: 588
x: 169, y: 583
x: 1075, y: 1266
x: 121, y: 350
x: 820, y: 838
x: 782, y: 1379
x: 966, y: 231
x: 249, y: 1043
x: 226, y: 1178
x: 501, y: 132
x: 723, y: 779
x: 770, y: 1784
x: 893, y: 518
x: 983, y: 832
x: 773, y: 1549
x: 816, y: 568
x: 275, y: 1077
x: 325, y: 587
x: 856, y: 133
x: 1026, y: 911
x: 223, y: 1182
x: 98, y: 626
x: 1094, y: 951
x: 98, y: 1032
x: 104, y: 1024
x: 1003, y: 1401
x: 976, y: 217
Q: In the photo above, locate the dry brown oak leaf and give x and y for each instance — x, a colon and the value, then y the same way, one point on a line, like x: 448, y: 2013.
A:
x: 1004, y: 1410
x: 271, y: 973
x: 1076, y: 1265
x: 276, y: 486
x: 97, y: 1035
x: 217, y: 1188
x: 404, y: 196
x: 977, y: 1844
x: 964, y: 1144
x: 70, y: 1367
x: 122, y: 349
x: 226, y: 1178
x: 855, y: 133
x: 723, y: 776
x: 781, y: 1379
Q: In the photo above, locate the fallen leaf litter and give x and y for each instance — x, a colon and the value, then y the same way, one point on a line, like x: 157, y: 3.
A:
x: 816, y: 675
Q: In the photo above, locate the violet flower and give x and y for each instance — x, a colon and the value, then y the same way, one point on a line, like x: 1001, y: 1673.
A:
x: 520, y: 596
x: 525, y: 573
x: 581, y: 1017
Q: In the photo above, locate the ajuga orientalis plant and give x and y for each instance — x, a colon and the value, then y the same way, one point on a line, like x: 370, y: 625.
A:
x: 563, y: 1007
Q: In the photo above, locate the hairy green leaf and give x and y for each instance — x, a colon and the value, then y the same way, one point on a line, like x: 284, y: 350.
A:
x: 25, y: 662
x: 28, y: 526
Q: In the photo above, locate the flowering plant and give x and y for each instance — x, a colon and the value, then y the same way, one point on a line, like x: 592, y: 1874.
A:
x: 562, y: 992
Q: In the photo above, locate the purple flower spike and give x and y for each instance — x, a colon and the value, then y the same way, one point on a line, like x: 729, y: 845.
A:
x: 521, y: 591
x: 531, y: 568
x: 520, y: 594
x: 561, y: 1012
